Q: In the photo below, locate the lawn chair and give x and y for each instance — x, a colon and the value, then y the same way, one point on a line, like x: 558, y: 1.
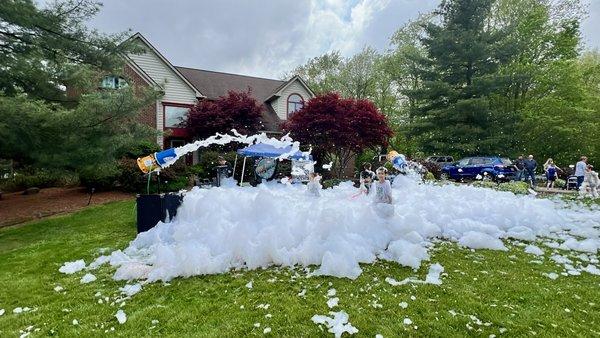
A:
x: 571, y: 183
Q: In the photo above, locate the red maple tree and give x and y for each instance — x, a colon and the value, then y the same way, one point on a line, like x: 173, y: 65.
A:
x: 339, y: 128
x: 236, y: 110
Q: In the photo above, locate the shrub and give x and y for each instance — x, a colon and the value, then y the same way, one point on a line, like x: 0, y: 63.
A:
x: 519, y: 188
x: 39, y: 179
x: 429, y: 176
x: 331, y: 183
x: 179, y: 183
x: 102, y: 177
x: 140, y: 149
x: 433, y: 168
x: 365, y: 156
x: 131, y: 179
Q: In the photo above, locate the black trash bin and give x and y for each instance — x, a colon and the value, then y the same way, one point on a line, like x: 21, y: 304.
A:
x: 170, y: 204
x: 152, y: 209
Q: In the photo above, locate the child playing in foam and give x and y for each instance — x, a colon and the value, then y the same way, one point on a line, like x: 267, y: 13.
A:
x: 366, y: 177
x: 382, y: 188
x: 313, y: 187
x: 382, y: 194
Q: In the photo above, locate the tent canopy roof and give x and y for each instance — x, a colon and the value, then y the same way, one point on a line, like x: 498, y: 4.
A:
x: 267, y: 150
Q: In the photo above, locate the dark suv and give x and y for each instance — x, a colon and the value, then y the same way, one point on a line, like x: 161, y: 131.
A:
x: 441, y: 161
x: 480, y: 167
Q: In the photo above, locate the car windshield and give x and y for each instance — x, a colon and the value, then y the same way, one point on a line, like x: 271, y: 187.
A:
x: 464, y: 161
x: 506, y: 161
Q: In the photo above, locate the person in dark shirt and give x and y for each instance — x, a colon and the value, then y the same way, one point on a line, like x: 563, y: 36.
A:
x: 520, y: 168
x: 530, y: 165
x: 366, y: 176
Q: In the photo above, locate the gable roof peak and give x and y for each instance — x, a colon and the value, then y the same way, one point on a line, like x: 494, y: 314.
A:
x: 139, y: 36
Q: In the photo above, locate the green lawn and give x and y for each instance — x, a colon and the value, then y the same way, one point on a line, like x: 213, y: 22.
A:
x: 483, y: 293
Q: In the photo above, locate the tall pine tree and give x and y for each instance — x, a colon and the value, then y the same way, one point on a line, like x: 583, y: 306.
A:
x: 452, y: 113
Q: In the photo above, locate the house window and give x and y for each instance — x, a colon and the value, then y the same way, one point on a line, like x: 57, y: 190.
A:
x: 175, y: 116
x: 113, y: 82
x: 294, y: 103
x: 174, y: 143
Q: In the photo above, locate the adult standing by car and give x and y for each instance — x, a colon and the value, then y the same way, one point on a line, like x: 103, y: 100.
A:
x: 530, y: 165
x: 580, y: 168
x: 520, y: 168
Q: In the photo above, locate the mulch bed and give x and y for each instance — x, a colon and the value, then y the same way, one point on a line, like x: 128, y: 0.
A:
x: 18, y: 208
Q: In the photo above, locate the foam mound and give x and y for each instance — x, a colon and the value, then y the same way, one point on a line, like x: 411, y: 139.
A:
x: 220, y: 229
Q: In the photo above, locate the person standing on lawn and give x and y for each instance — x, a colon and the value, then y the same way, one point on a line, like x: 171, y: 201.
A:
x: 590, y: 183
x: 551, y: 173
x: 520, y: 168
x: 580, y: 169
x: 530, y: 165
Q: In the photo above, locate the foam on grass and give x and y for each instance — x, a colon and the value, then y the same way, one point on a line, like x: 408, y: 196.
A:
x: 220, y: 229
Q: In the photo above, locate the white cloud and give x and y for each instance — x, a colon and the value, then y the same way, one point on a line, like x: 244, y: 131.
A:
x: 270, y: 37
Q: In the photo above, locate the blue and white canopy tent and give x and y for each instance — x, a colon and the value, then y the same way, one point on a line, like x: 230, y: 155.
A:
x: 266, y: 151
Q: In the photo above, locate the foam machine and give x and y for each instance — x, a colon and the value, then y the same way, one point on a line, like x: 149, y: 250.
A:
x: 154, y: 208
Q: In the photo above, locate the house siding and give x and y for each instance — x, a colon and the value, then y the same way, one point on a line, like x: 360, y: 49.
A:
x: 175, y: 89
x: 280, y: 104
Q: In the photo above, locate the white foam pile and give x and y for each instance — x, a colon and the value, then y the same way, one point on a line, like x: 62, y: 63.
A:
x: 337, y: 324
x: 131, y: 289
x: 87, y: 278
x: 121, y: 317
x: 72, y: 267
x: 220, y: 229
x: 222, y: 139
x: 433, y: 277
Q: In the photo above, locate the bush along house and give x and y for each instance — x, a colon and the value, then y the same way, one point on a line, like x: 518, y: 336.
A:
x: 182, y: 87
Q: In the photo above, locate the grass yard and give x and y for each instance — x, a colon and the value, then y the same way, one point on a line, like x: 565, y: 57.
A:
x: 483, y: 293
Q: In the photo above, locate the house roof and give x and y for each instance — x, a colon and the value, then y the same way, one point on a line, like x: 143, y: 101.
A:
x: 214, y: 84
x: 278, y: 90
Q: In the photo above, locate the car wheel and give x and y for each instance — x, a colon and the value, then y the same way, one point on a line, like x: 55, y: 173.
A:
x: 488, y: 177
x: 444, y: 177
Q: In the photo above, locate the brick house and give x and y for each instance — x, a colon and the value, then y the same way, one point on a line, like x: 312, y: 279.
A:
x: 182, y: 87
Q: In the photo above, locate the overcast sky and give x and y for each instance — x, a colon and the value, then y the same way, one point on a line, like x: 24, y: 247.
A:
x: 269, y: 37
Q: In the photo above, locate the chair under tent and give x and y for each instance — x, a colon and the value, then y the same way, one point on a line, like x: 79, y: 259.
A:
x: 266, y: 151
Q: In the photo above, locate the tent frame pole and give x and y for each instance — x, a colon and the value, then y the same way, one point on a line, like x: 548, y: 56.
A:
x: 234, y: 164
x: 243, y: 169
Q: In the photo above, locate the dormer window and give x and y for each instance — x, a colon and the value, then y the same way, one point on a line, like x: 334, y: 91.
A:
x: 113, y: 82
x: 295, y: 102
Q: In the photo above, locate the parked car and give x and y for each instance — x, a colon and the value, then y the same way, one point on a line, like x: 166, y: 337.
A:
x: 441, y: 161
x: 480, y: 167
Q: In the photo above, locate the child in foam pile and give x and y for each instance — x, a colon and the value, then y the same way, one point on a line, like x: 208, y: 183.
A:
x: 382, y: 188
x: 313, y: 187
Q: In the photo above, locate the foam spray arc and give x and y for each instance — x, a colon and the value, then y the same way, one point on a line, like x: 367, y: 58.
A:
x: 165, y: 158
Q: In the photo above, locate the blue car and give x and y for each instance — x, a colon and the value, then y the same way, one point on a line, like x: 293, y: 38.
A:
x: 480, y: 167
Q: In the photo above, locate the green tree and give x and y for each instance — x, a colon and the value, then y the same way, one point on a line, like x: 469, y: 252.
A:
x: 452, y: 112
x: 361, y: 76
x: 562, y: 119
x: 44, y: 135
x: 44, y: 51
